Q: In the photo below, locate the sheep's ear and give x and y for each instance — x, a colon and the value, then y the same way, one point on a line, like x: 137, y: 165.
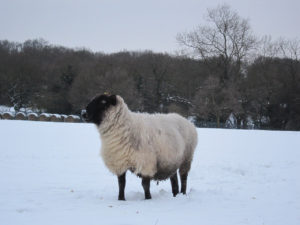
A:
x: 113, y: 99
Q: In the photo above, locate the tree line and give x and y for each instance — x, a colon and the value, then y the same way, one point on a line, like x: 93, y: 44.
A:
x: 223, y: 71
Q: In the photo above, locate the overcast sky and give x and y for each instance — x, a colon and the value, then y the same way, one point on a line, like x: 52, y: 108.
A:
x: 114, y: 25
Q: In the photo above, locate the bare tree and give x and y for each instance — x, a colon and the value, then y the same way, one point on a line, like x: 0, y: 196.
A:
x: 281, y: 48
x: 227, y: 36
x: 267, y: 47
x: 214, y: 102
x: 227, y: 39
x: 289, y: 48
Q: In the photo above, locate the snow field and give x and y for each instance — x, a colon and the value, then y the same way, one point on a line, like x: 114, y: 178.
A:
x: 51, y: 173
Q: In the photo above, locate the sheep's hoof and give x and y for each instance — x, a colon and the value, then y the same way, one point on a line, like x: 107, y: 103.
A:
x: 121, y: 198
x: 148, y: 197
x: 175, y: 192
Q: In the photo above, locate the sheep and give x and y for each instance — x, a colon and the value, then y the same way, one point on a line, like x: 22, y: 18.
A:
x: 153, y: 146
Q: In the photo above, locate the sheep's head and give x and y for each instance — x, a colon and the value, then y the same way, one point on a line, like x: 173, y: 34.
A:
x: 95, y: 110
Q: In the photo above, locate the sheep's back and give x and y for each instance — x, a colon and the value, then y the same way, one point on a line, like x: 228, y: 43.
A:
x: 170, y: 137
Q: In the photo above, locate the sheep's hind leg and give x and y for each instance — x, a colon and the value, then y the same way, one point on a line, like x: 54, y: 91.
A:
x: 174, y: 183
x: 183, y: 171
x: 146, y: 186
x: 183, y: 178
x: 122, y: 183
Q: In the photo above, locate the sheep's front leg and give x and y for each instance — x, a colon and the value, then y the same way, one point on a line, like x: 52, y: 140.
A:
x: 122, y: 183
x: 146, y: 186
x: 174, y: 183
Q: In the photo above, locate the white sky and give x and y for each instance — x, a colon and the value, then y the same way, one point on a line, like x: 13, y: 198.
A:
x: 114, y: 25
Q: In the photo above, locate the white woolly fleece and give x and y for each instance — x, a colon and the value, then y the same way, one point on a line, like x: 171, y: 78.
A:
x: 140, y: 141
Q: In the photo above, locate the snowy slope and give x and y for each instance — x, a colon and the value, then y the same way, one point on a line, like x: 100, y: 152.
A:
x: 51, y: 173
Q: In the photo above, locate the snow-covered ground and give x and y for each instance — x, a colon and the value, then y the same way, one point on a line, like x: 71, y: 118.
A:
x: 51, y: 173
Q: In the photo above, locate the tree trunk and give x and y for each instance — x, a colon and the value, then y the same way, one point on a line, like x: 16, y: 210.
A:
x: 218, y: 121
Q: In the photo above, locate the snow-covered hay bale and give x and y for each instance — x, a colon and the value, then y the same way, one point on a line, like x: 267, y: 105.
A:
x: 21, y: 116
x: 33, y: 117
x: 8, y: 116
x: 77, y: 119
x: 63, y: 117
x: 44, y: 117
x: 56, y: 118
x: 72, y: 119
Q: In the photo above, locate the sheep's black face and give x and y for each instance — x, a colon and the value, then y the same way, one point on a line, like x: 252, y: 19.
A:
x: 96, y: 108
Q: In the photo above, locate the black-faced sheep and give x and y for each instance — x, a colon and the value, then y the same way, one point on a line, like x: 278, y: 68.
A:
x: 153, y: 146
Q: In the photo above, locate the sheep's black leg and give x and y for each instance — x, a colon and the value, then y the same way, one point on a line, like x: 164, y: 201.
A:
x: 183, y: 178
x: 174, y: 183
x: 122, y: 183
x: 146, y: 186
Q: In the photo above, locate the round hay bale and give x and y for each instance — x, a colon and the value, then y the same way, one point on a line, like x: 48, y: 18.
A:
x: 33, y: 117
x: 21, y: 116
x: 56, y: 118
x: 63, y: 117
x: 44, y: 117
x: 72, y: 119
x: 77, y: 119
x: 8, y: 116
